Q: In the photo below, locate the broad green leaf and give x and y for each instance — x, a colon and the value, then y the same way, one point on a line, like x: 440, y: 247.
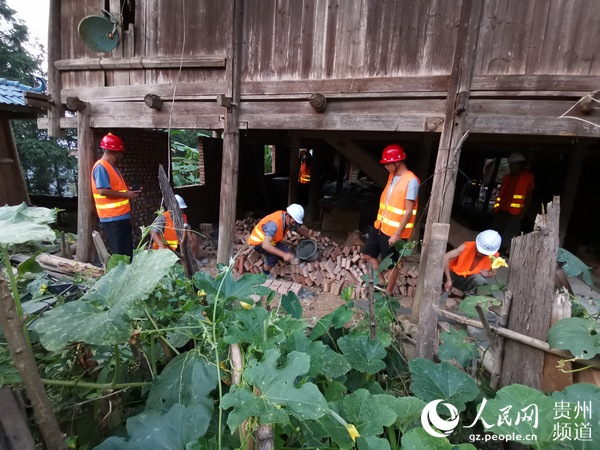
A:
x: 22, y: 223
x: 242, y: 289
x: 157, y: 431
x: 115, y: 259
x: 323, y: 360
x: 291, y: 305
x: 338, y: 318
x: 457, y: 345
x: 367, y: 413
x: 334, y: 429
x: 372, y: 443
x: 576, y: 413
x: 443, y: 381
x: 407, y: 409
x: 278, y: 389
x: 188, y: 379
x: 363, y: 354
x: 516, y: 409
x: 254, y: 326
x: 419, y: 439
x: 103, y: 316
x: 580, y: 336
x: 29, y: 265
x: 467, y: 306
x: 187, y: 326
x: 573, y: 266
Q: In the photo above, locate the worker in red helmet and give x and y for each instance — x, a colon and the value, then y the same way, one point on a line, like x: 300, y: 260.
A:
x: 396, y: 215
x: 112, y: 196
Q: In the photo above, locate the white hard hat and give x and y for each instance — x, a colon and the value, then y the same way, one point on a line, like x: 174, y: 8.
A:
x: 488, y: 242
x: 297, y: 212
x: 516, y: 157
x: 181, y: 201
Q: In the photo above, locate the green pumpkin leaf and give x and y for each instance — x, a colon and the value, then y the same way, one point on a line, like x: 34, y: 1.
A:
x: 515, y: 409
x: 580, y: 336
x: 187, y: 326
x: 573, y: 266
x: 278, y: 390
x: 154, y: 430
x: 323, y: 360
x: 419, y: 439
x: 29, y: 265
x: 338, y: 318
x: 103, y: 316
x: 372, y: 443
x: 443, y: 381
x: 457, y: 345
x: 253, y: 326
x: 188, y: 379
x: 367, y: 412
x: 467, y: 306
x: 407, y: 409
x: 291, y: 305
x: 22, y: 223
x: 243, y: 289
x: 363, y: 354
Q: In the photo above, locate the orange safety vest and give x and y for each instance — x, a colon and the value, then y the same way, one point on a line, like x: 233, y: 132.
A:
x: 390, y: 213
x: 169, y: 233
x: 519, y: 184
x: 304, y: 175
x: 463, y: 264
x: 107, y: 207
x: 257, y: 236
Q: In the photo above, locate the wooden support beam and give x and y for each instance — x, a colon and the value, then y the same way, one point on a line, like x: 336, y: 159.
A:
x: 155, y: 62
x: 54, y: 79
x: 426, y: 316
x: 314, y: 189
x: 153, y: 101
x: 453, y: 132
x: 533, y: 294
x: 85, y: 203
x: 231, y: 141
x: 361, y: 158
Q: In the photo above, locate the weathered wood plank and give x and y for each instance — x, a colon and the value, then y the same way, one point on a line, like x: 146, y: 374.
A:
x: 539, y: 82
x: 533, y: 294
x: 541, y: 125
x: 156, y: 62
x: 85, y: 201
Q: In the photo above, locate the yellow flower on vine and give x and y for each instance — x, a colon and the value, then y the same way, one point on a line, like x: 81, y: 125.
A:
x: 246, y: 305
x: 352, y: 431
x: 498, y: 262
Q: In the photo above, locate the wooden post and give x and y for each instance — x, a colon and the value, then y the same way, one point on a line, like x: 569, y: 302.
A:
x: 153, y: 101
x: 533, y: 294
x: 552, y: 378
x: 427, y: 315
x: 54, y: 80
x: 446, y: 166
x: 294, y: 168
x: 231, y: 141
x: 85, y: 202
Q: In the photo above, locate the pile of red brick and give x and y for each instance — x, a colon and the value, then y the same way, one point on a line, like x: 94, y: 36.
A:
x: 337, y: 267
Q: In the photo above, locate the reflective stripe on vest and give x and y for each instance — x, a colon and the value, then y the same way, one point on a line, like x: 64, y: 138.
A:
x: 257, y: 236
x: 107, y: 207
x: 519, y: 184
x: 390, y: 214
x: 304, y: 177
x: 463, y: 264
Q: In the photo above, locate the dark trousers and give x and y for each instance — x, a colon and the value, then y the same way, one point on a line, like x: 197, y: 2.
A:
x: 118, y: 234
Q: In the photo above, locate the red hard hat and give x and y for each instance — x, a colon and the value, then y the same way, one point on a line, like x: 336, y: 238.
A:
x: 112, y: 142
x: 392, y: 153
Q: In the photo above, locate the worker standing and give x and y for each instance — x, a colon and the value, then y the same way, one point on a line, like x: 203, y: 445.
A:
x: 396, y: 215
x: 513, y: 200
x: 112, y: 196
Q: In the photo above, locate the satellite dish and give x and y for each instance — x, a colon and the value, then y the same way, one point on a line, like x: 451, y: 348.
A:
x: 99, y: 33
